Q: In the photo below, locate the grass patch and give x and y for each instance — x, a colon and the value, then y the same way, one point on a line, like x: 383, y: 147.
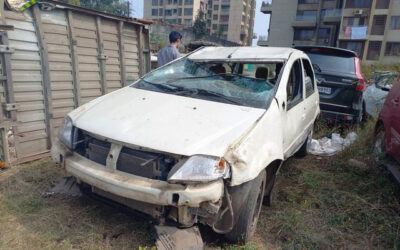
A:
x: 30, y: 221
x: 327, y: 203
x: 368, y: 69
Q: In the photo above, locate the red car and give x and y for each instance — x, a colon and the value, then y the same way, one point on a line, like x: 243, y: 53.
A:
x: 387, y: 135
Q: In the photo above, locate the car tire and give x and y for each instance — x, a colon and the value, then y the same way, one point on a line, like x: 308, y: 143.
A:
x: 363, y: 117
x: 379, y: 145
x: 303, y: 151
x: 269, y: 187
x: 246, y: 225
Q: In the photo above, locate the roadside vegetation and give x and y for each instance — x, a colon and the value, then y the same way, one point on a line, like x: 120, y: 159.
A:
x: 368, y: 70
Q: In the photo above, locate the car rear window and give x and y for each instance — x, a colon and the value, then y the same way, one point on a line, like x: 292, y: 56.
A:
x: 332, y: 63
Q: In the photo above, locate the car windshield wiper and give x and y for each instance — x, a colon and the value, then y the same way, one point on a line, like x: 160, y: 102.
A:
x: 316, y: 67
x: 214, y: 94
x: 196, y: 77
x: 164, y: 86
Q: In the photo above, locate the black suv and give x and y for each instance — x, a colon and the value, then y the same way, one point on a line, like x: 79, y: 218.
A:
x: 340, y: 83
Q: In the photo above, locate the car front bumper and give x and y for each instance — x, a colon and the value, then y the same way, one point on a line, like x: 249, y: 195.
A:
x: 136, y: 187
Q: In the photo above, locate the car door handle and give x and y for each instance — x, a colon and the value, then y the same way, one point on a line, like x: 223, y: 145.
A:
x: 396, y: 101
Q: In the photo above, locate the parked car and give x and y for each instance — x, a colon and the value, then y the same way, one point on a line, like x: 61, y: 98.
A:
x: 199, y: 140
x: 375, y: 94
x: 387, y: 131
x: 340, y: 82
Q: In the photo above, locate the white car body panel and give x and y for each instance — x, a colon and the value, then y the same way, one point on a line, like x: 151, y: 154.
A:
x: 167, y: 123
x: 258, y: 148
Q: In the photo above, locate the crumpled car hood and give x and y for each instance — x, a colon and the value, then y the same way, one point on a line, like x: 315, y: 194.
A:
x: 167, y: 123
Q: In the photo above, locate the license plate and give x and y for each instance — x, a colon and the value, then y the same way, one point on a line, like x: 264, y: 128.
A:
x: 325, y: 90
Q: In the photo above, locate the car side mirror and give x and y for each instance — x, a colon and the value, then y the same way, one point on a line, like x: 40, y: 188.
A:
x: 385, y: 89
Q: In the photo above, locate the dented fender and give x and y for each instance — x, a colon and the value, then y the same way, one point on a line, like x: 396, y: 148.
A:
x: 258, y: 148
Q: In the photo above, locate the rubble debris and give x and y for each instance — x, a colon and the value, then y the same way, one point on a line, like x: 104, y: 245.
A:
x: 329, y: 147
x: 66, y: 186
x: 171, y: 238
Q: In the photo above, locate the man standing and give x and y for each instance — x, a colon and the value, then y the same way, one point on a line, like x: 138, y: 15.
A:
x: 170, y: 52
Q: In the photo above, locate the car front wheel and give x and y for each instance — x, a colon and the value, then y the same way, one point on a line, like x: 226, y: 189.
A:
x: 246, y: 225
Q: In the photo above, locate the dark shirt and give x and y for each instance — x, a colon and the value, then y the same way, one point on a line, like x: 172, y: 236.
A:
x: 166, y: 55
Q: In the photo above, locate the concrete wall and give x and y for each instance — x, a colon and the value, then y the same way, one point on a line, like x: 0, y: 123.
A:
x: 281, y: 30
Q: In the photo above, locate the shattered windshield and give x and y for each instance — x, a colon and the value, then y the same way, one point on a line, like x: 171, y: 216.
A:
x: 247, y: 84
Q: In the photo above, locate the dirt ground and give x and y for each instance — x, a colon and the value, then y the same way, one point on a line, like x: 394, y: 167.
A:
x: 318, y: 203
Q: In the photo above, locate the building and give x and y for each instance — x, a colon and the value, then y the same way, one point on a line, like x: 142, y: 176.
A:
x: 232, y: 20
x: 173, y: 11
x: 372, y: 29
x: 302, y: 22
x: 369, y: 27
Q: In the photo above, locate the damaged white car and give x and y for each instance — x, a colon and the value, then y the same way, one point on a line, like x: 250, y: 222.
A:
x: 199, y: 140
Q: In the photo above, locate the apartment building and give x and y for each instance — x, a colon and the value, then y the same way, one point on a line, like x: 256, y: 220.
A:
x: 302, y: 22
x: 372, y: 28
x: 369, y: 27
x: 173, y: 11
x: 232, y: 20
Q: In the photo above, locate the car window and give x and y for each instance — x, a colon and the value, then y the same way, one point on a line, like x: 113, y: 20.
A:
x: 308, y: 77
x: 294, y: 86
x: 332, y: 63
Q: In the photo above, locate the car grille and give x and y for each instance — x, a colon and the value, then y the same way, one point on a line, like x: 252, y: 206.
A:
x: 136, y: 162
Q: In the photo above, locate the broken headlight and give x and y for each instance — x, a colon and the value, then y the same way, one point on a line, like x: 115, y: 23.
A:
x: 65, y: 134
x: 199, y: 169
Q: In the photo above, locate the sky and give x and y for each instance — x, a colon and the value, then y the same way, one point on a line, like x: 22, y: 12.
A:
x: 260, y: 27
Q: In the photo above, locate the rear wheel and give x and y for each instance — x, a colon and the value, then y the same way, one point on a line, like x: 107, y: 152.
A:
x: 303, y: 151
x: 379, y: 149
x: 362, y: 118
x: 246, y: 225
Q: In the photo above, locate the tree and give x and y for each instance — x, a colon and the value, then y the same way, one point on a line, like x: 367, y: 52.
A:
x: 117, y: 7
x: 200, y: 25
x: 73, y: 2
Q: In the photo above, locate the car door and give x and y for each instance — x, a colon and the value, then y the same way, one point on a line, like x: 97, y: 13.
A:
x: 294, y: 117
x: 393, y: 102
x: 311, y: 101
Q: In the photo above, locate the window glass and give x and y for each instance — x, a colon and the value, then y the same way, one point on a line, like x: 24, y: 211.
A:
x: 229, y: 82
x: 395, y: 23
x: 294, y: 86
x: 392, y: 49
x: 332, y: 63
x: 308, y: 78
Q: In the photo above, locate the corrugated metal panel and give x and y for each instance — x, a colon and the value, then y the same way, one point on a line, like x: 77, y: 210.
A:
x: 130, y: 40
x: 87, y: 52
x: 28, y: 85
x: 111, y: 51
x: 56, y: 37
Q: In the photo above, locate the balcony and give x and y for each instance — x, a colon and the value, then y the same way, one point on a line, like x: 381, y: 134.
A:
x: 353, y: 33
x: 305, y: 21
x: 332, y: 16
x: 266, y: 7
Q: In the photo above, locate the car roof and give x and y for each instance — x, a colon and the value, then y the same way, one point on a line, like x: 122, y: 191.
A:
x: 326, y: 50
x: 242, y: 53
